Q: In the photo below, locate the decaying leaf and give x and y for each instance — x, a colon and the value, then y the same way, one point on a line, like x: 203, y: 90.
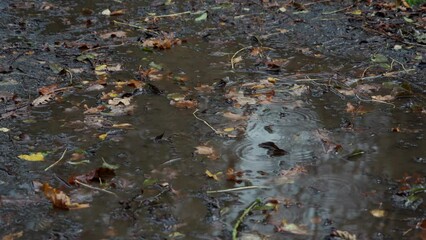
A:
x: 383, y: 98
x: 273, y: 149
x: 184, y: 103
x: 59, y: 199
x: 47, y: 89
x: 214, y: 176
x: 288, y: 176
x: 43, y: 99
x: 292, y: 228
x: 33, y: 157
x: 117, y: 34
x: 13, y: 236
x: 116, y: 101
x: 103, y: 136
x: 166, y: 41
x: 100, y: 174
x: 234, y: 117
x: 205, y: 150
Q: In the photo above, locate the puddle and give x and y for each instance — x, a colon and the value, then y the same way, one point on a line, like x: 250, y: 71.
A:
x: 315, y: 185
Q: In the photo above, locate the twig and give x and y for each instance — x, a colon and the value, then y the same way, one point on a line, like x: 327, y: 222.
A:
x: 54, y: 164
x: 176, y: 14
x: 339, y: 10
x: 96, y: 188
x: 135, y: 26
x: 241, y: 218
x: 237, y: 189
x: 235, y: 54
x: 372, y: 100
x: 205, y: 122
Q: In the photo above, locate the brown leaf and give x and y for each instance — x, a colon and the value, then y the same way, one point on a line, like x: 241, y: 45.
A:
x: 99, y: 174
x: 43, y: 99
x: 117, y: 34
x: 13, y: 236
x: 383, y: 98
x: 205, y: 150
x: 48, y: 89
x: 59, y: 199
x: 234, y: 117
x: 184, y: 103
x: 117, y: 12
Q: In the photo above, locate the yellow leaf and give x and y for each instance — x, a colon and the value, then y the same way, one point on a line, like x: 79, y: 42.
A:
x: 378, y: 213
x: 103, y: 136
x: 101, y: 67
x: 211, y: 175
x: 230, y: 129
x: 34, y: 157
x: 356, y: 12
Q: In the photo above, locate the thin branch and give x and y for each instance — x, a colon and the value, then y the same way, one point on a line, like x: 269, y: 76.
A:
x: 176, y: 14
x: 205, y: 122
x: 54, y: 164
x: 241, y: 218
x: 95, y: 188
x: 372, y: 100
x: 236, y: 53
x: 238, y: 189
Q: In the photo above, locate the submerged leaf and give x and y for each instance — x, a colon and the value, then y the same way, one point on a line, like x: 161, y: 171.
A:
x: 378, y: 213
x: 202, y: 17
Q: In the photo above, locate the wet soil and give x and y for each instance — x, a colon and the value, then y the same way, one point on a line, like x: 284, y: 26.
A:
x: 314, y: 108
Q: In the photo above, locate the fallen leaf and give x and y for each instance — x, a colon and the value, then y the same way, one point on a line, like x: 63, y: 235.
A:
x: 106, y: 12
x: 13, y: 236
x: 383, y: 98
x: 214, y: 176
x: 292, y: 228
x: 103, y: 136
x: 5, y: 130
x: 234, y: 117
x: 184, y: 103
x: 202, y: 17
x: 117, y: 34
x: 47, y: 89
x: 116, y: 101
x: 378, y: 213
x: 59, y: 199
x: 273, y: 149
x: 204, y: 150
x: 100, y: 174
x: 43, y: 99
x: 33, y: 157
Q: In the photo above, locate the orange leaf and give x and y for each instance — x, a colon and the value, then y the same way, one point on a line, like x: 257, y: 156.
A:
x: 59, y: 199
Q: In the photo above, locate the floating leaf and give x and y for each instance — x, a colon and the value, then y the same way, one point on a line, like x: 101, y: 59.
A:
x: 100, y: 174
x: 292, y: 228
x: 33, y: 157
x: 103, y: 136
x: 211, y: 175
x: 5, y: 130
x: 378, y: 213
x: 356, y: 12
x: 43, y: 99
x: 59, y: 199
x: 273, y: 150
x: 202, y: 17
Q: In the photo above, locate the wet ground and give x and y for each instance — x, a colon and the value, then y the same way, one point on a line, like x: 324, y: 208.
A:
x: 309, y: 116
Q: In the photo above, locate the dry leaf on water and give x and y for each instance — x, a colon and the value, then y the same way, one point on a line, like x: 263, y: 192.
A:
x: 59, y: 199
x: 43, y: 99
x: 33, y: 157
x: 234, y: 117
x: 205, y: 150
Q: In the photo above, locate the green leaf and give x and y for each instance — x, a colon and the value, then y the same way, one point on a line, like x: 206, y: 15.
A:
x: 202, y: 17
x: 84, y: 57
x: 355, y: 153
x: 149, y: 182
x: 379, y: 58
x: 56, y: 68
